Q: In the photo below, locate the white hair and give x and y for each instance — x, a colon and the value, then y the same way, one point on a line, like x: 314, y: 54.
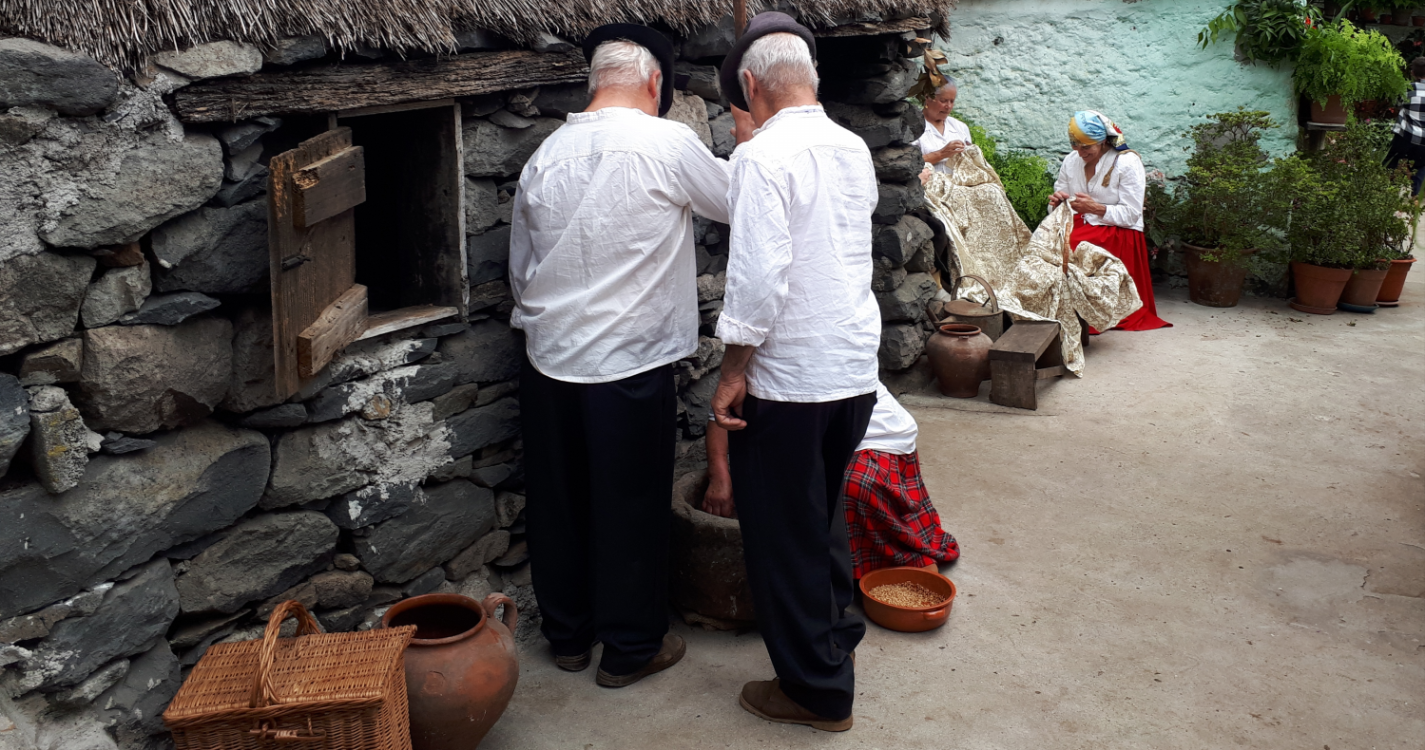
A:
x: 779, y: 62
x: 618, y: 63
x: 950, y: 83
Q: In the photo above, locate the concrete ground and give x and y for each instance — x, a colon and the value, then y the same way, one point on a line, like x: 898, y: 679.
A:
x: 1215, y: 539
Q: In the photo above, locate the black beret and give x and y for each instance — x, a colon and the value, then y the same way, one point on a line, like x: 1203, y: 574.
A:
x: 643, y: 36
x: 762, y: 24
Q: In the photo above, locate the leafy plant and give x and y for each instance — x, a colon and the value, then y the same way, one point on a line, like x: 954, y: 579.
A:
x: 1269, y: 31
x: 1338, y: 59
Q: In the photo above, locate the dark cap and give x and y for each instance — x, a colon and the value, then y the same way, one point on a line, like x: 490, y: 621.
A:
x: 762, y: 24
x: 647, y: 38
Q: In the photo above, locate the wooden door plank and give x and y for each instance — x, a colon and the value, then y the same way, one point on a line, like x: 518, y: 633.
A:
x: 341, y: 323
x: 406, y: 317
x: 328, y: 187
x: 310, y: 266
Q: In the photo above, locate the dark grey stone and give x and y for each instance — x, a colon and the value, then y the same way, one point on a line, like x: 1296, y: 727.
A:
x: 85, y: 692
x: 255, y: 559
x: 489, y: 255
x: 40, y: 296
x: 34, y: 73
x: 238, y: 138
x: 408, y: 385
x: 882, y: 88
x: 125, y: 511
x: 491, y: 294
x: 337, y: 589
x: 425, y: 583
x: 481, y: 40
x: 698, y: 400
x: 213, y: 250
x: 901, y: 345
x: 278, y: 417
x: 907, y: 302
x: 294, y: 49
x: 233, y: 193
x: 723, y: 141
x: 430, y: 381
x: 132, y: 615
x: 253, y: 383
x: 898, y: 163
x: 169, y: 309
x: 14, y: 419
x: 137, y: 379
x: 59, y: 441
x: 489, y: 352
x: 243, y: 164
x: 212, y: 60
x: 875, y: 129
x: 482, y: 105
x: 136, y: 704
x: 886, y: 275
x: 710, y: 41
x: 117, y: 444
x: 559, y: 101
x: 895, y: 200
x: 702, y: 80
x: 493, y: 151
x: 154, y: 182
x: 905, y: 237
x: 373, y: 504
x: 118, y: 292
x: 476, y: 428
x: 482, y: 205
x: 436, y: 330
x: 59, y: 362
x: 491, y: 476
x: 453, y: 516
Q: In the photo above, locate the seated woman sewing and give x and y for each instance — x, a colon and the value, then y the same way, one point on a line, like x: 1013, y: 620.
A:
x: 889, y: 518
x: 1104, y: 183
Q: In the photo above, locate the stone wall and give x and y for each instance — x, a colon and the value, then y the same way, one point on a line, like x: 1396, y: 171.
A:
x: 1027, y: 65
x: 160, y: 497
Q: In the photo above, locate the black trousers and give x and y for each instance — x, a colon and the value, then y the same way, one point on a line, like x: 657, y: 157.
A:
x: 1401, y: 149
x: 788, y: 474
x: 599, y: 491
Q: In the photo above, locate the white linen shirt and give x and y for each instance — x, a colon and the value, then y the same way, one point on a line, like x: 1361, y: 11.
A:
x: 1124, y: 195
x: 892, y: 428
x: 799, y: 268
x: 602, y: 267
x: 934, y: 140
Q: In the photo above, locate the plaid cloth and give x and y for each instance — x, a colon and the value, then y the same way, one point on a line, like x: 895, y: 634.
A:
x: 889, y: 516
x: 1411, y: 122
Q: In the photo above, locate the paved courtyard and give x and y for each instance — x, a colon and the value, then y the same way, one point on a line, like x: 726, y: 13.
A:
x: 1215, y: 539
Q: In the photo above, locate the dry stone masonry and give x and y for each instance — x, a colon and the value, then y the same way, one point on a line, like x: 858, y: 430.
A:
x: 160, y: 496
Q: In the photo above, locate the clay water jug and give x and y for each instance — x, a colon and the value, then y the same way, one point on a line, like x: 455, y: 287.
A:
x: 960, y: 357
x: 461, y: 666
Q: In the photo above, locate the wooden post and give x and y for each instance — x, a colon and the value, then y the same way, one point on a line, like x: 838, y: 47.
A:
x: 739, y: 16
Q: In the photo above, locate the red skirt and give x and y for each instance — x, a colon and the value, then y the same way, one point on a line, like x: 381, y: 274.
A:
x: 889, y: 517
x: 1128, y: 246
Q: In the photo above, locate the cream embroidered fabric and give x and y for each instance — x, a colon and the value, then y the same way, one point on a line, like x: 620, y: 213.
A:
x: 1027, y: 270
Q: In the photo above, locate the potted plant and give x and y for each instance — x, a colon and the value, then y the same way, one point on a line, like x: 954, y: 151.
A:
x: 1394, y: 283
x: 1269, y: 31
x: 1226, y: 208
x: 1339, y: 65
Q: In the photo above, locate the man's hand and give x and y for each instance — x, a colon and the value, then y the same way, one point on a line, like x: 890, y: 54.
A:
x: 718, y: 499
x: 727, y: 401
x: 1057, y: 198
x: 1086, y: 205
x: 743, y: 126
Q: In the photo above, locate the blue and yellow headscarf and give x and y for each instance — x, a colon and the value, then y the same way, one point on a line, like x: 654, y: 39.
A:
x: 1089, y: 127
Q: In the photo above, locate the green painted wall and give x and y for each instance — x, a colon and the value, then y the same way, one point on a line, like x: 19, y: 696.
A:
x: 1025, y: 66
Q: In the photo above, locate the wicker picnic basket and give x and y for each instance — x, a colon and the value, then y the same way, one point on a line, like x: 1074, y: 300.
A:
x: 317, y: 691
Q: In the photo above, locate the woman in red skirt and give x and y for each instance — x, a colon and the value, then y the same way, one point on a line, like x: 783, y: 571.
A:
x: 889, y: 518
x: 1104, y: 183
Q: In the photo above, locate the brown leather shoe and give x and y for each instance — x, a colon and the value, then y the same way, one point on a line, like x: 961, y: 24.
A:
x: 765, y: 699
x: 576, y: 663
x: 672, y: 651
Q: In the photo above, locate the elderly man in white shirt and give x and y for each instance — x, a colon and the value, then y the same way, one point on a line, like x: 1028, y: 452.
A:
x: 603, y: 274
x: 799, y: 377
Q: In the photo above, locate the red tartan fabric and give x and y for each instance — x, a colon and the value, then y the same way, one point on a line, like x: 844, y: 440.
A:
x: 889, y: 516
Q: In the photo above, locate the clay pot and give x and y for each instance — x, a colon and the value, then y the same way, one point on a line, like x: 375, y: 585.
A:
x: 907, y: 619
x: 1417, y: 20
x: 1318, y: 288
x: 1213, y: 283
x: 1394, y: 279
x: 1363, y: 288
x: 1334, y: 113
x: 461, y: 667
x: 1367, y: 15
x: 960, y: 356
x: 1385, y: 19
x: 707, y: 574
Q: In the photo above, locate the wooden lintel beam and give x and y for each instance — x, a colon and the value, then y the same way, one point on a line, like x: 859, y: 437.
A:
x: 332, y: 88
x: 899, y: 26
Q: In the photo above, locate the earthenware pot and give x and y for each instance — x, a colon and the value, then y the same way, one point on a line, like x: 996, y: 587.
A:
x: 1363, y: 288
x: 1417, y: 20
x: 1389, y: 295
x: 461, y: 667
x: 1318, y: 288
x: 960, y: 357
x: 907, y: 619
x: 1213, y: 283
x: 1333, y: 113
x: 1367, y: 15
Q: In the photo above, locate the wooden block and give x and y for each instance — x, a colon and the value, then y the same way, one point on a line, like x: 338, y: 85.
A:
x: 406, y: 317
x: 1025, y: 341
x: 1052, y: 371
x: 328, y: 187
x: 1013, y: 383
x: 341, y: 323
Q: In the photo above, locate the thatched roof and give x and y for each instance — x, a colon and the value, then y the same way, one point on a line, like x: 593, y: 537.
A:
x: 120, y: 33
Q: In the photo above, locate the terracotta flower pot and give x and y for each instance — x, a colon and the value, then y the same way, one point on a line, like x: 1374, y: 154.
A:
x: 1334, y: 113
x: 461, y: 667
x: 907, y: 619
x: 1318, y: 288
x: 1386, y: 19
x: 960, y: 358
x: 1363, y: 288
x: 1213, y: 283
x: 1400, y: 19
x: 1417, y: 20
x: 1367, y: 15
x: 1390, y: 289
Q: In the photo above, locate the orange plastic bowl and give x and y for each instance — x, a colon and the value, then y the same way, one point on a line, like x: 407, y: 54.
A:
x: 907, y: 619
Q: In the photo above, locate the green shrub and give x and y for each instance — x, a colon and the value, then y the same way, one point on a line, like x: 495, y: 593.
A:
x: 1270, y: 31
x: 1338, y: 59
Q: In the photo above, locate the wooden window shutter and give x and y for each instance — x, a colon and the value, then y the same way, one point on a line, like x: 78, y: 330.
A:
x: 317, y: 306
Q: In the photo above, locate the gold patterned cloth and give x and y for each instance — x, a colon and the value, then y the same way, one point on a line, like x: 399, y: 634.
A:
x: 1027, y: 270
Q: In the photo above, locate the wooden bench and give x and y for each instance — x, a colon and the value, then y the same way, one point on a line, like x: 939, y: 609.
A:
x: 1027, y: 353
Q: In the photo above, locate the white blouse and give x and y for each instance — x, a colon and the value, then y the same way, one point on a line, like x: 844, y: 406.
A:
x: 1124, y: 194
x: 892, y: 428
x: 934, y: 140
